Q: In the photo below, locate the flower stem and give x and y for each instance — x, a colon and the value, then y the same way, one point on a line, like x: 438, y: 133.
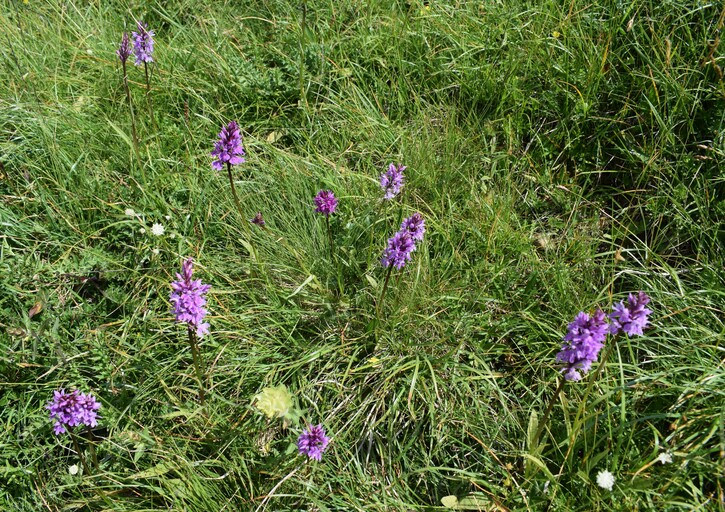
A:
x: 130, y: 107
x: 303, y: 30
x: 80, y: 453
x: 370, y: 243
x: 86, y: 470
x: 247, y: 231
x: 580, y: 409
x: 148, y: 96
x: 588, y: 390
x: 197, y: 364
x: 92, y: 448
x: 382, y: 294
x: 547, y: 412
x: 329, y: 237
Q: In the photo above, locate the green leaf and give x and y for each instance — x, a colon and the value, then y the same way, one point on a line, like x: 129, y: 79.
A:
x: 299, y: 288
x: 474, y: 502
x: 470, y: 502
x: 373, y: 282
x: 249, y: 248
x: 121, y: 133
x: 531, y: 430
x: 176, y: 414
x: 157, y: 470
x: 450, y: 501
x: 539, y: 463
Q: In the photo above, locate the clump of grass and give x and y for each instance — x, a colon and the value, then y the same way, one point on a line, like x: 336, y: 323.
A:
x: 561, y: 155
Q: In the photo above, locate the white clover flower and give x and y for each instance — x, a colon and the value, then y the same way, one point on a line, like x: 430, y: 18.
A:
x: 167, y: 217
x: 155, y: 251
x: 605, y: 480
x: 129, y: 212
x: 73, y: 470
x: 157, y: 229
x: 665, y: 457
x: 142, y: 231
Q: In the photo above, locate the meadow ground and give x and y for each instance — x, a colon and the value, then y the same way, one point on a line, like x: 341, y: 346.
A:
x: 562, y: 154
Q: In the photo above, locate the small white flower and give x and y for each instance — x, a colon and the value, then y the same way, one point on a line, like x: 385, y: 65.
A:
x: 665, y: 457
x: 73, y: 470
x: 167, y: 217
x: 605, y: 480
x: 155, y: 251
x: 129, y: 212
x: 172, y: 235
x: 142, y: 231
x: 157, y: 229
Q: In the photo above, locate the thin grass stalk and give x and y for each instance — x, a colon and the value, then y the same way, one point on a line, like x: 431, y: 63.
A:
x: 579, y: 412
x: 547, y: 412
x: 148, y: 96
x: 197, y: 364
x: 86, y: 470
x: 382, y: 294
x: 370, y: 244
x: 300, y: 261
x: 130, y: 107
x: 580, y: 409
x: 303, y: 30
x: 384, y: 205
x: 329, y: 238
x: 398, y: 279
x: 238, y: 204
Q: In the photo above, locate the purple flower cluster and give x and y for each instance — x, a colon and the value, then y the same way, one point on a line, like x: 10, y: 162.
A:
x: 313, y: 442
x: 325, y: 202
x: 584, y: 341
x: 143, y: 43
x: 73, y: 409
x: 586, y: 335
x: 124, y: 50
x: 415, y: 225
x: 188, y: 299
x: 228, y: 149
x: 400, y: 247
x: 632, y: 317
x: 402, y: 243
x: 391, y: 181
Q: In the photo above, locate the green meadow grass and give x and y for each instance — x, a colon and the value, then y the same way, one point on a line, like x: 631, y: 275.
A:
x: 563, y: 155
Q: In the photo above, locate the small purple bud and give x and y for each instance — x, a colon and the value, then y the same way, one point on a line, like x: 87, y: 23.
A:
x: 124, y: 50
